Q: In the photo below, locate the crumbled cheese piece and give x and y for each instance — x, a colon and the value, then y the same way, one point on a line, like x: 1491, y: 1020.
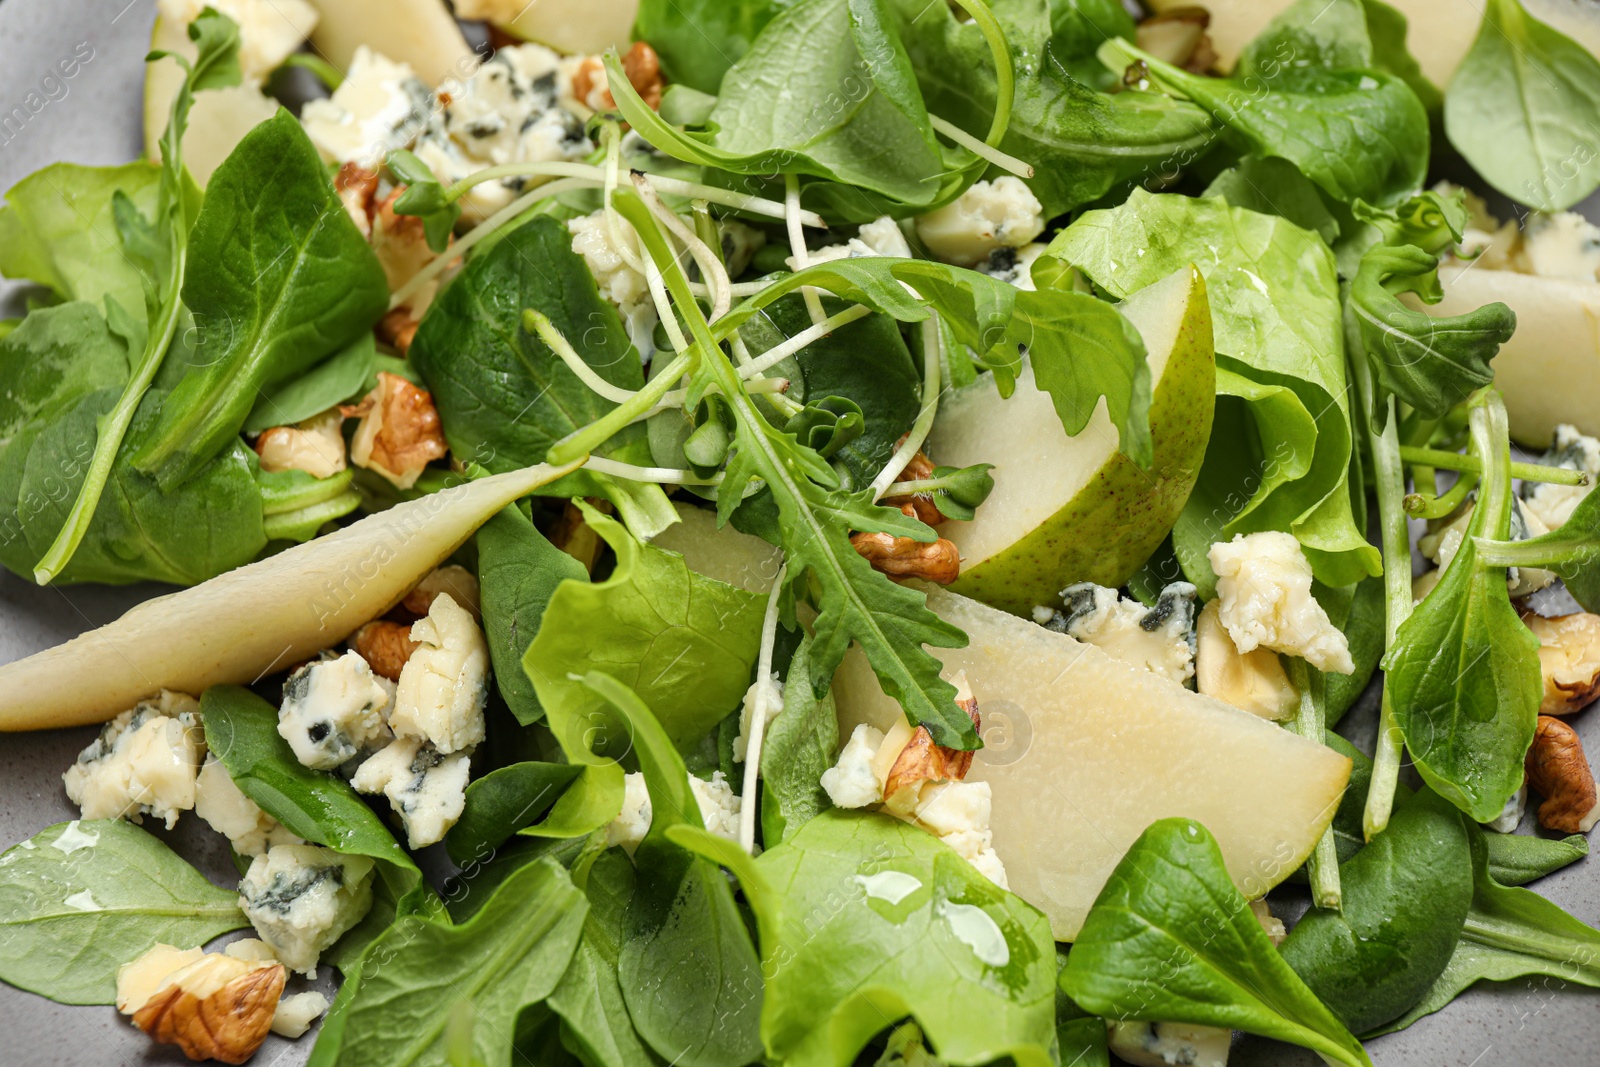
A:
x: 302, y: 898
x: 1561, y: 244
x: 1167, y: 1044
x: 332, y: 709
x: 851, y: 783
x: 510, y: 111
x: 1554, y: 504
x: 1444, y: 537
x: 445, y: 684
x: 633, y: 821
x: 425, y: 788
x: 607, y: 255
x: 1510, y: 816
x: 773, y: 705
x: 719, y: 805
x: 315, y: 445
x: 378, y: 108
x: 1003, y: 213
x: 229, y: 812
x: 880, y: 237
x: 719, y: 810
x: 295, y: 1014
x: 250, y: 948
x: 958, y: 814
x: 140, y: 979
x: 1264, y: 583
x: 269, y: 30
x: 145, y: 761
x: 1161, y: 638
x: 1251, y: 681
x: 1014, y: 265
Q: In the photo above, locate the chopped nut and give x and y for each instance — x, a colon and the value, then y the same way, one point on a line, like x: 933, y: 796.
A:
x: 1559, y: 771
x: 215, y: 1006
x: 315, y: 446
x: 920, y: 760
x: 457, y: 581
x: 640, y: 64
x: 902, y: 557
x: 358, y: 191
x: 385, y: 646
x: 918, y: 470
x: 397, y: 329
x: 401, y: 243
x: 399, y: 432
x: 1569, y: 656
x: 1178, y: 36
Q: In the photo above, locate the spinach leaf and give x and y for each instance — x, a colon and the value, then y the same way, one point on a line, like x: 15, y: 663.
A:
x: 684, y: 642
x: 1572, y: 550
x: 681, y: 919
x: 1358, y: 134
x: 1081, y: 143
x: 1358, y: 611
x: 80, y: 899
x: 1463, y: 671
x: 1331, y: 34
x: 1519, y: 107
x: 1083, y: 1042
x: 1517, y: 859
x: 53, y: 358
x: 1276, y: 318
x: 698, y: 40
x: 283, y: 278
x: 1431, y: 363
x: 1387, y: 27
x: 1272, y: 186
x: 1509, y: 933
x: 865, y: 919
x: 340, y: 377
x: 503, y: 802
x: 592, y: 800
x: 1405, y: 897
x: 1170, y: 938
x: 242, y: 732
x: 518, y: 572
x: 800, y: 744
x: 510, y: 955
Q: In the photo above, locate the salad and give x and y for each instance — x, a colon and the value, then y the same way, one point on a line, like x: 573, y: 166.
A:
x: 817, y: 532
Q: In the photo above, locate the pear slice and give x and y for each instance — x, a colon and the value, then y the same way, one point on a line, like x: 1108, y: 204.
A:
x: 219, y: 118
x: 1083, y: 752
x: 419, y: 33
x: 577, y: 29
x: 1074, y: 509
x: 740, y: 559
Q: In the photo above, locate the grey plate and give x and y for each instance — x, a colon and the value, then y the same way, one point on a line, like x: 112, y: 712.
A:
x: 97, y: 121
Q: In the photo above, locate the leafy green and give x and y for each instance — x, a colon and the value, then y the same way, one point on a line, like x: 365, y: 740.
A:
x: 799, y: 745
x: 242, y: 732
x: 1517, y: 859
x: 1463, y: 671
x: 1520, y: 107
x: 848, y: 941
x: 518, y: 572
x: 1405, y: 897
x: 1509, y: 933
x: 80, y: 899
x: 592, y: 800
x: 1358, y: 612
x: 1169, y: 938
x: 1388, y: 28
x: 1273, y: 186
x: 1331, y: 34
x: 501, y: 803
x: 1276, y: 319
x: 422, y: 972
x: 1431, y: 363
x: 342, y: 376
x: 1572, y: 550
x: 283, y: 279
x: 698, y: 40
x: 684, y: 642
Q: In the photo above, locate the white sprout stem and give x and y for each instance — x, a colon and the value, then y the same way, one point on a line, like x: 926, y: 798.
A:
x: 617, y: 227
x: 660, y: 475
x: 586, y: 374
x: 758, y: 716
x: 754, y: 205
x: 710, y: 265
x: 741, y: 351
x: 1010, y: 164
x: 797, y: 244
x: 553, y: 169
x: 658, y: 293
x: 439, y: 263
x: 932, y: 358
x: 811, y: 334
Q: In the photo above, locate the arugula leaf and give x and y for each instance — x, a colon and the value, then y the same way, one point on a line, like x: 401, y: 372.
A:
x: 800, y: 744
x: 1572, y: 550
x: 1273, y: 186
x: 501, y: 803
x: 216, y: 65
x: 1517, y: 859
x: 1518, y: 109
x: 518, y: 572
x: 242, y: 731
x: 285, y: 279
x: 508, y: 956
x: 1276, y: 317
x: 685, y: 643
x: 1430, y: 220
x: 1431, y: 363
x: 340, y: 377
x: 865, y: 919
x: 1463, y: 671
x: 80, y: 899
x: 1405, y: 897
x: 698, y: 40
x: 1509, y: 933
x: 1169, y: 938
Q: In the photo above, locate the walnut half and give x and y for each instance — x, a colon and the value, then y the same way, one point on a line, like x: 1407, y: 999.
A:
x: 923, y: 761
x: 215, y: 1007
x: 1569, y: 657
x: 902, y: 558
x: 1559, y: 771
x: 399, y: 433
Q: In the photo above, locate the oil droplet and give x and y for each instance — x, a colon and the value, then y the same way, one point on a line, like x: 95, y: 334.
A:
x: 72, y: 839
x: 891, y: 887
x: 973, y: 928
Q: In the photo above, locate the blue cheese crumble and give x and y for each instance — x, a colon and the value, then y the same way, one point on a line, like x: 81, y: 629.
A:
x: 1161, y: 638
x: 332, y: 709
x: 302, y: 898
x: 1554, y: 504
x: 1264, y: 583
x: 445, y: 683
x: 425, y: 787
x: 144, y: 762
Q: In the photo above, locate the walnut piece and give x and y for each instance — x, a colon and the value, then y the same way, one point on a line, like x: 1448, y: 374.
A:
x: 923, y: 761
x: 398, y: 328
x: 902, y: 558
x: 315, y: 446
x: 1569, y: 657
x: 919, y: 469
x: 216, y: 1007
x: 640, y: 64
x: 399, y: 434
x: 358, y: 191
x: 453, y: 579
x: 1559, y: 771
x: 385, y: 646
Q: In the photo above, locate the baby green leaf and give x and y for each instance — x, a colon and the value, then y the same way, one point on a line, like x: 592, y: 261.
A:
x: 1519, y: 109
x: 342, y: 376
x: 424, y: 197
x: 699, y: 39
x: 501, y: 803
x: 1274, y: 186
x: 80, y: 899
x: 1517, y: 859
x: 800, y: 744
x: 1170, y: 938
x: 1572, y: 550
x: 592, y: 800
x: 1321, y: 33
x: 1463, y: 671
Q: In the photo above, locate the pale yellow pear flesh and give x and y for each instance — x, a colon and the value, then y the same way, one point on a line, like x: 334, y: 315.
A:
x: 1084, y: 752
x: 219, y: 118
x: 1549, y: 372
x: 421, y: 33
x: 578, y: 29
x: 727, y: 555
x: 1070, y: 509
